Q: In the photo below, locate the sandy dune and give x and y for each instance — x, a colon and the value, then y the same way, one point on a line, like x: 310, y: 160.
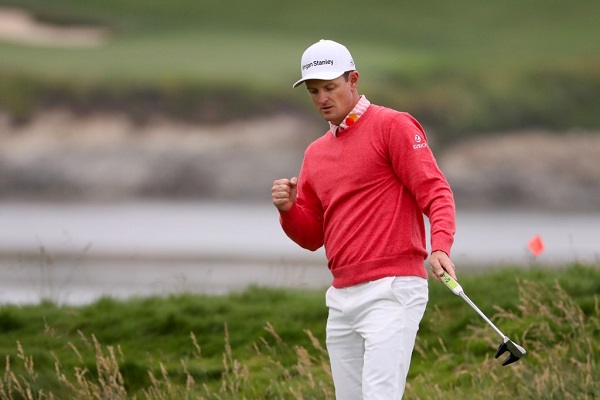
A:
x: 17, y: 26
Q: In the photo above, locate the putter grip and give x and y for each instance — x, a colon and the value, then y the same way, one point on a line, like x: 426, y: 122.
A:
x: 451, y: 283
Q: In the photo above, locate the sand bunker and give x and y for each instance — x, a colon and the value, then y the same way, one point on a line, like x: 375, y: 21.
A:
x: 18, y: 26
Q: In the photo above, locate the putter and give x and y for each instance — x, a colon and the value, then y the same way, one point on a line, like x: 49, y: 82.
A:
x: 516, y: 351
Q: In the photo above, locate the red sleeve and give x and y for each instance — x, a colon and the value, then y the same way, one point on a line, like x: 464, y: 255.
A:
x: 303, y: 223
x: 415, y: 165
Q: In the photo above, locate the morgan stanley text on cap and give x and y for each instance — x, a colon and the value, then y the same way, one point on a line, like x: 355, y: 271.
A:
x: 325, y: 60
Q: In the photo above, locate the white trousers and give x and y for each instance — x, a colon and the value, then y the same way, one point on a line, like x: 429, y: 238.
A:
x: 371, y: 331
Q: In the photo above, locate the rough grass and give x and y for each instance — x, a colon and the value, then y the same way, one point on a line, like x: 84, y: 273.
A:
x: 269, y: 344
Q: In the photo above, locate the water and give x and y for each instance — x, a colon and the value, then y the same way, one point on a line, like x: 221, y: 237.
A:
x: 76, y: 253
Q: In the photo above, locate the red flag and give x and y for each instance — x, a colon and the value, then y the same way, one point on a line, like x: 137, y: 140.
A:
x: 536, y: 246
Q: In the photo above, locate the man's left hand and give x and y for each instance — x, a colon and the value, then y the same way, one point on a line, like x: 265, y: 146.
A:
x: 440, y: 262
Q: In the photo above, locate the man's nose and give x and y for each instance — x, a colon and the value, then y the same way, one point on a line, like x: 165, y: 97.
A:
x: 323, y: 97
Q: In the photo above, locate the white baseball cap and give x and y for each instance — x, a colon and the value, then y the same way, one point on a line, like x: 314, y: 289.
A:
x: 325, y: 60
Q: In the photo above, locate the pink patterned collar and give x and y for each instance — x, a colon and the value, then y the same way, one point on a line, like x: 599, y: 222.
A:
x: 358, y: 110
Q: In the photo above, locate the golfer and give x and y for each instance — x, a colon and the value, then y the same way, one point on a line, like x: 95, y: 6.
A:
x: 362, y: 191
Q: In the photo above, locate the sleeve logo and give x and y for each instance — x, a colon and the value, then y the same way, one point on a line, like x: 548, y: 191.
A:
x: 419, y: 145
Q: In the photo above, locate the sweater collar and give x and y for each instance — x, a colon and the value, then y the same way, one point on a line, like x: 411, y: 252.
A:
x: 357, y: 112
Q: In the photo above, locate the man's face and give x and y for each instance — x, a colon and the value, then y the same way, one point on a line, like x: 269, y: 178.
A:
x: 335, y: 98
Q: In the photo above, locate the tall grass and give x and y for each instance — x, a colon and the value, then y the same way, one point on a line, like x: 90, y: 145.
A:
x: 453, y: 356
x: 307, y: 378
x: 561, y: 360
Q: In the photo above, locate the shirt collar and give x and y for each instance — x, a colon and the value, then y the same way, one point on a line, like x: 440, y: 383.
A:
x: 357, y: 112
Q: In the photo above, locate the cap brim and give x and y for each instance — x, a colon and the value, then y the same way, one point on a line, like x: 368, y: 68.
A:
x: 320, y: 76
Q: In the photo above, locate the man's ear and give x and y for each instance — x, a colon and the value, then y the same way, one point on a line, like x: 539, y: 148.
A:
x: 353, y: 78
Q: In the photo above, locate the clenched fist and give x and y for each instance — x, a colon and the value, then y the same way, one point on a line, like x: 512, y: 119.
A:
x: 284, y: 193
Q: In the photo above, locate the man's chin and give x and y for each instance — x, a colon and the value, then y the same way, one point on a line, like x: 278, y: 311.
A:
x: 328, y: 117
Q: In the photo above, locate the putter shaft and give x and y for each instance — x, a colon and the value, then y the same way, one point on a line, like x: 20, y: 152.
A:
x: 486, y: 319
x: 516, y: 351
x: 458, y: 290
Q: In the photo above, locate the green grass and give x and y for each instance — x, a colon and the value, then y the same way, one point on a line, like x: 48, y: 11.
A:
x: 460, y: 67
x: 269, y: 343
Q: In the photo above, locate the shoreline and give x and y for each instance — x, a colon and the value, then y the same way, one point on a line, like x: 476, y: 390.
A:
x: 62, y: 156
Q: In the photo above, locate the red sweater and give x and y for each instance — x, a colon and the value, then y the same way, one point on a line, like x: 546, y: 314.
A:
x: 363, y: 194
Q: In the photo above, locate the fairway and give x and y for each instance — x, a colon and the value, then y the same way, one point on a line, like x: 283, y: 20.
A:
x: 408, y: 40
x: 197, y: 57
x: 476, y: 61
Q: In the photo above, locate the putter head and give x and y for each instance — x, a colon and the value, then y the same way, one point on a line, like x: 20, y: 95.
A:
x: 516, y: 351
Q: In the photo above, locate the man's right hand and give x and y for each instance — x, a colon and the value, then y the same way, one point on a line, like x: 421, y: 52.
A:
x: 284, y: 193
